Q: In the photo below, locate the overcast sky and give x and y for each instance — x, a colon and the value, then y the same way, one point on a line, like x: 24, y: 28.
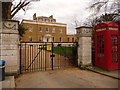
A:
x: 64, y: 11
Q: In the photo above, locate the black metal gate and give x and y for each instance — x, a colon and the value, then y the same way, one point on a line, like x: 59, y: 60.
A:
x: 41, y: 56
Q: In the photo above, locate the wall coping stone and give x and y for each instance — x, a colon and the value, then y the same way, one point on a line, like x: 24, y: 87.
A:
x: 84, y: 31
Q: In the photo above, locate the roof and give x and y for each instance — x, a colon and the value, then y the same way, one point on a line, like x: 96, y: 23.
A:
x: 43, y: 16
x: 107, y: 24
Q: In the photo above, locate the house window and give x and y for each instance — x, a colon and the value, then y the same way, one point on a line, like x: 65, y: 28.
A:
x: 60, y: 30
x: 40, y: 38
x: 30, y: 29
x: 53, y: 30
x: 40, y: 29
x: 77, y: 39
x: 68, y: 39
x: 53, y: 39
x: 60, y: 39
x: 30, y: 38
x: 47, y: 29
x: 72, y: 39
x: 47, y: 39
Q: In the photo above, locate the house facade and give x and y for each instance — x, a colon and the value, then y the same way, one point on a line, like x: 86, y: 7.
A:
x: 45, y: 29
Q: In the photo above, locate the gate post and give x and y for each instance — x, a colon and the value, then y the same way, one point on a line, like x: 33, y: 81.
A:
x: 84, y: 35
x: 9, y: 38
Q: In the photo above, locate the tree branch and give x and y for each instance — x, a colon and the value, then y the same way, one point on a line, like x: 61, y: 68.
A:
x: 15, y: 7
x: 22, y: 5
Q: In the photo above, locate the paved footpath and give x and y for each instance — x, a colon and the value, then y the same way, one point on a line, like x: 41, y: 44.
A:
x: 65, y: 78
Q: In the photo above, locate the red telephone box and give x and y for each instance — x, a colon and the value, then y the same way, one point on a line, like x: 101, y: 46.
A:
x: 107, y: 45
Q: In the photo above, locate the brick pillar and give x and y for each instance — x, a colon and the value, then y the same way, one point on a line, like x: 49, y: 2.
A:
x: 9, y: 45
x: 84, y: 35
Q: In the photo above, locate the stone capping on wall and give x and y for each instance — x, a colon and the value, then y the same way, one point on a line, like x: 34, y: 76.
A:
x: 84, y: 31
x: 10, y: 20
x: 7, y: 26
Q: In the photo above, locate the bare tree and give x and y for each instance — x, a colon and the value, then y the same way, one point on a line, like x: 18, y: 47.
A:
x: 9, y: 9
x: 77, y: 21
x: 105, y: 7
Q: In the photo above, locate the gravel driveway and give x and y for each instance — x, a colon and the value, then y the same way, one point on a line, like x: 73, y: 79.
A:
x: 65, y: 78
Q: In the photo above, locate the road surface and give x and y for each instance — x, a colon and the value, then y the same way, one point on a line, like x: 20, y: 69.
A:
x: 65, y: 78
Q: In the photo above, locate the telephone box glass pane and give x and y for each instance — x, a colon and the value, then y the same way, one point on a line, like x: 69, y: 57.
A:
x: 114, y: 44
x: 100, y: 48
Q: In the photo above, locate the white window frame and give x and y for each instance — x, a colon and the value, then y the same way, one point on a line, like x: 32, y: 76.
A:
x: 68, y: 39
x: 46, y: 29
x: 73, y: 39
x: 30, y: 38
x: 60, y: 39
x: 40, y: 38
x: 40, y: 29
x: 53, y: 39
x: 61, y: 30
x: 53, y: 30
x: 30, y: 28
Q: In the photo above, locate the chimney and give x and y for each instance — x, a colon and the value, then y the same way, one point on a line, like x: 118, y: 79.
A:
x: 34, y: 16
x: 51, y: 16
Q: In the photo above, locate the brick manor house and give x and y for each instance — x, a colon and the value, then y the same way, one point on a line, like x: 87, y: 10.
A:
x: 45, y: 29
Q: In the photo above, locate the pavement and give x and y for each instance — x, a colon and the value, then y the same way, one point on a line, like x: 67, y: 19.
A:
x: 65, y: 78
x: 113, y: 73
x: 9, y: 82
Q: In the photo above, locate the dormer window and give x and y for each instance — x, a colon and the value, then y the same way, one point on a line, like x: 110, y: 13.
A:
x: 47, y: 20
x: 40, y: 20
x: 53, y: 21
